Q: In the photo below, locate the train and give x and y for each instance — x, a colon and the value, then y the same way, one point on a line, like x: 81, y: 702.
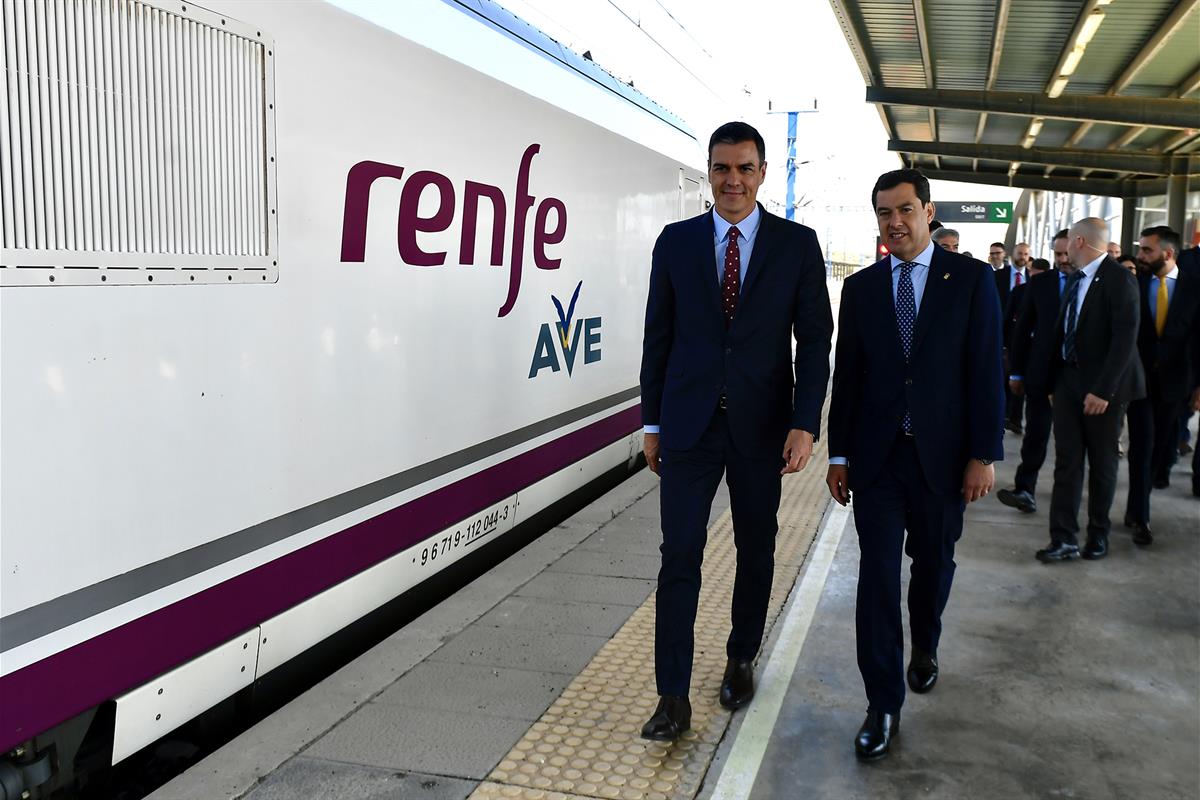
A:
x: 300, y: 305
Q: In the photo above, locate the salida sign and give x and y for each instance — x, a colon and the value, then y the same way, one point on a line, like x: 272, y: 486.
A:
x: 971, y: 211
x: 549, y: 223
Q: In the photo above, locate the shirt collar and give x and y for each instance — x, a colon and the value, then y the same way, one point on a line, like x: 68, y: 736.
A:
x: 1090, y: 270
x: 1171, y: 276
x: 923, y: 258
x: 747, y: 227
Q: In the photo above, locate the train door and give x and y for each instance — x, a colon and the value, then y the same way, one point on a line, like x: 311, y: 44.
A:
x: 691, y: 196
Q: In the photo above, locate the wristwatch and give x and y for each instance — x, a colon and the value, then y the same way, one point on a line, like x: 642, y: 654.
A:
x: 987, y: 462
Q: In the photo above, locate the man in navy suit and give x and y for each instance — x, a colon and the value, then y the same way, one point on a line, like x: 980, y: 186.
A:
x: 915, y: 422
x: 1167, y: 343
x: 722, y: 393
x: 1030, y: 361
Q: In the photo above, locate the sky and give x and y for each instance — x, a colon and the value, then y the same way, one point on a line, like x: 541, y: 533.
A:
x: 709, y: 62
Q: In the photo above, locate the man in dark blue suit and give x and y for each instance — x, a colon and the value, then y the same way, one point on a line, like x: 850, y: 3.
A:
x: 1030, y: 362
x: 915, y: 422
x: 722, y: 393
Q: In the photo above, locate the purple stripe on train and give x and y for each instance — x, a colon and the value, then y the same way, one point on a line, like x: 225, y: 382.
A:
x: 50, y: 691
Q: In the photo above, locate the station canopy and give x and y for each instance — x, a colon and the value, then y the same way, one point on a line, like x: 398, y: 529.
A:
x: 1097, y: 97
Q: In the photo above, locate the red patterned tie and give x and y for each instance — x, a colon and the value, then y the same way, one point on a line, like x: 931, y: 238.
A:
x: 733, y: 266
x: 1019, y: 276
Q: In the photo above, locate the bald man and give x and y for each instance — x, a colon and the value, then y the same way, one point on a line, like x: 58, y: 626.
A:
x: 1095, y: 374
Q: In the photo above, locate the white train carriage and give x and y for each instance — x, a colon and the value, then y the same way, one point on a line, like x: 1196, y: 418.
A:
x: 299, y: 305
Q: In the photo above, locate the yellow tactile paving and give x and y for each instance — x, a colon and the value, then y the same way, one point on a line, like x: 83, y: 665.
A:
x: 587, y: 745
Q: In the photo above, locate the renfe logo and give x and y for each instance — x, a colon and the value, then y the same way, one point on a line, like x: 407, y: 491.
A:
x: 409, y: 222
x: 545, y: 353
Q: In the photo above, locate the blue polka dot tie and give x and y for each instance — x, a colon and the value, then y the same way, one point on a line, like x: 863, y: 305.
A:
x: 906, y: 319
x: 733, y: 267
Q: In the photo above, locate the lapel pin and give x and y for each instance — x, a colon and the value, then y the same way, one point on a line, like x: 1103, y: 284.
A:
x: 946, y: 277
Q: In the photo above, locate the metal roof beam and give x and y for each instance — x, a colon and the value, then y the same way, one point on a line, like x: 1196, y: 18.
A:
x: 862, y: 55
x: 1000, y: 28
x: 1154, y: 45
x: 1054, y: 184
x: 926, y: 63
x: 1144, y: 54
x: 1158, y: 112
x: 1190, y: 84
x: 1146, y: 162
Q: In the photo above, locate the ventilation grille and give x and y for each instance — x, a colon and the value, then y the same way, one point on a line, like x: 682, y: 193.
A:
x: 138, y: 145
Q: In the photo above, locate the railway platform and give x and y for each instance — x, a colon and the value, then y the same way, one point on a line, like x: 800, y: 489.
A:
x: 1073, y: 680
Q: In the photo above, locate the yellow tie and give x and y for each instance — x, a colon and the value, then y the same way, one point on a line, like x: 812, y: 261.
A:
x: 1160, y: 312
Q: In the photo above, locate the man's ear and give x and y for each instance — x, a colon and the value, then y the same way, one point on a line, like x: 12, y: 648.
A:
x: 931, y: 211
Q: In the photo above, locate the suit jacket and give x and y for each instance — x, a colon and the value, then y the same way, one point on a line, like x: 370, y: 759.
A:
x: 689, y: 358
x: 1105, y: 336
x: 1011, y: 310
x: 1170, y: 362
x: 1003, y: 278
x: 952, y: 387
x: 1031, y: 351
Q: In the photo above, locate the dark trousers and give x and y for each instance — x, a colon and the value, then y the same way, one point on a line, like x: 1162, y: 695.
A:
x: 1014, y: 406
x: 1038, y: 417
x: 1078, y: 437
x: 1153, y: 448
x: 900, y: 500
x: 689, y: 483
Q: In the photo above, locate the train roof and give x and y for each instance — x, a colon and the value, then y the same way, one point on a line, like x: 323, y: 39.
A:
x: 504, y: 21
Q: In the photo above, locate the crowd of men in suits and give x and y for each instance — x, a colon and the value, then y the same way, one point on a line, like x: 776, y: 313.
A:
x: 1135, y: 345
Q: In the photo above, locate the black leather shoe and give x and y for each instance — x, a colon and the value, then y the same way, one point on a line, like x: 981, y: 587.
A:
x: 874, y: 738
x: 1018, y: 499
x: 1142, y: 536
x: 1162, y: 483
x: 1095, y: 549
x: 1058, y: 552
x: 672, y: 717
x: 922, y: 671
x: 737, y: 687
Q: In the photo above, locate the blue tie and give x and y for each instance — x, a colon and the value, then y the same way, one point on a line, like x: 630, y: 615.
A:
x: 1069, y: 354
x: 906, y: 319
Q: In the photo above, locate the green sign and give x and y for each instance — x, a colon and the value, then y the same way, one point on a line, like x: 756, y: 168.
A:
x: 973, y: 211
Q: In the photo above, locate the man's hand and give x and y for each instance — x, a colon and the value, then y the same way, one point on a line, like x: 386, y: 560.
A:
x: 1196, y: 399
x: 977, y: 480
x: 650, y: 448
x: 1094, y: 406
x: 838, y: 481
x: 797, y: 451
x: 1016, y: 386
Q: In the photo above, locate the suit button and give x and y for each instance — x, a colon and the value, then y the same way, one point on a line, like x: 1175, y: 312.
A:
x: 728, y: 350
x: 908, y: 381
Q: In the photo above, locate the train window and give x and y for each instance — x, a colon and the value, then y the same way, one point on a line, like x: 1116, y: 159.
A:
x: 138, y: 146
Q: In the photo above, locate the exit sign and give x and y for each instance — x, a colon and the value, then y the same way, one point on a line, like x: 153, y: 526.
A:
x: 970, y: 211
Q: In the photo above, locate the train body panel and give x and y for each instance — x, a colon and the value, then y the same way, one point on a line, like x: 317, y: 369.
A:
x: 169, y: 447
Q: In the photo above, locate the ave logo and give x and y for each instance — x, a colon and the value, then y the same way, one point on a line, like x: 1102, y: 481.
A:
x: 564, y: 340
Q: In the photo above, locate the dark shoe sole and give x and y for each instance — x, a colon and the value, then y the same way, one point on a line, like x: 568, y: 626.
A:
x: 1057, y: 559
x: 735, y: 706
x: 923, y: 690
x: 1012, y: 502
x: 665, y: 738
x: 870, y: 759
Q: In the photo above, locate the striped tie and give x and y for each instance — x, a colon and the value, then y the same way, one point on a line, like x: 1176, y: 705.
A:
x: 1069, y: 354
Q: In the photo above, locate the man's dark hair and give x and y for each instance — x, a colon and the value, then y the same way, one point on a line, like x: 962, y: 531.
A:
x: 736, y: 133
x: 998, y: 244
x: 1041, y: 264
x: 1166, y: 238
x: 1065, y: 233
x: 890, y: 180
x: 1125, y: 258
x: 935, y: 225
